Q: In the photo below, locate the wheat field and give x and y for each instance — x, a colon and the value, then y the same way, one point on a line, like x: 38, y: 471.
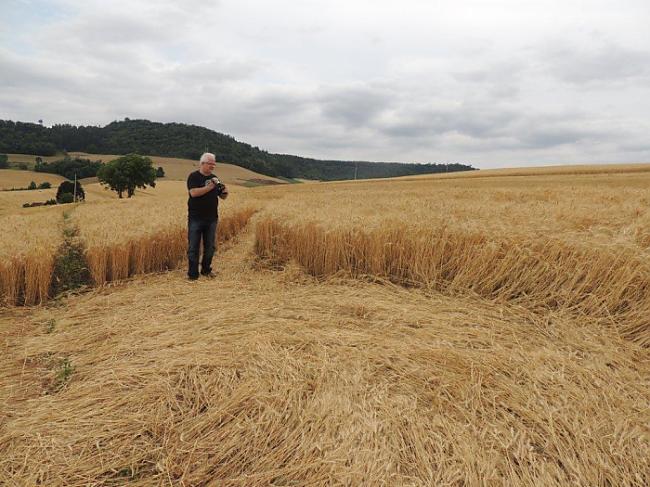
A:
x: 546, y: 242
x: 13, y: 178
x: 27, y: 253
x: 424, y: 331
x: 121, y: 237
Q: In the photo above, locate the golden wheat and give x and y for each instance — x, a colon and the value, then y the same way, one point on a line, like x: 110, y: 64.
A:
x: 147, y: 233
x: 275, y: 378
x: 122, y: 237
x: 27, y: 252
x: 543, y: 242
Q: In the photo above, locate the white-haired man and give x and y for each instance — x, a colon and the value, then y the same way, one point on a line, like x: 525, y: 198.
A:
x: 202, y: 215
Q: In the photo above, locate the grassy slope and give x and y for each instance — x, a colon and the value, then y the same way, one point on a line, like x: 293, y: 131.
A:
x: 13, y: 178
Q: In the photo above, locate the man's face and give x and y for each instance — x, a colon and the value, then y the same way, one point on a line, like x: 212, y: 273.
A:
x: 209, y: 165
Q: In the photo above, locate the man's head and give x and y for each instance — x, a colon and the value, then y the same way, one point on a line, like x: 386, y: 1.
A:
x: 207, y: 163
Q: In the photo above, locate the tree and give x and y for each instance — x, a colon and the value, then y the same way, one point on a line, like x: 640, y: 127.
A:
x: 127, y: 173
x: 66, y: 198
x: 69, y: 187
x: 160, y: 172
x: 4, y: 161
x: 32, y: 185
x: 45, y: 185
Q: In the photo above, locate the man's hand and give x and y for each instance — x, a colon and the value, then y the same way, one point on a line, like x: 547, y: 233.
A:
x: 224, y: 193
x: 196, y: 192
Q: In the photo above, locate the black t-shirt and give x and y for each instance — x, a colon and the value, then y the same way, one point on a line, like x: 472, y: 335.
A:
x: 202, y: 207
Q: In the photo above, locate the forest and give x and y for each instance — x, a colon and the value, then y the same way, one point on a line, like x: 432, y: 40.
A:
x: 190, y: 141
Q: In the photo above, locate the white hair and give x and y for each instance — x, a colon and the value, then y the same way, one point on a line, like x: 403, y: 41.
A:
x: 206, y: 157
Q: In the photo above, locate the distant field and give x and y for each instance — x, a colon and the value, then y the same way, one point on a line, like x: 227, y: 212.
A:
x: 30, y: 159
x: 176, y: 168
x: 13, y: 178
x: 573, y: 170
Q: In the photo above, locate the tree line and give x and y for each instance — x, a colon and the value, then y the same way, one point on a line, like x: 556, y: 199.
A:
x: 190, y: 141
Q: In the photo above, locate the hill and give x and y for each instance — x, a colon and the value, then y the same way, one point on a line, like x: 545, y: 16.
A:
x: 189, y: 141
x: 11, y: 178
x: 178, y: 168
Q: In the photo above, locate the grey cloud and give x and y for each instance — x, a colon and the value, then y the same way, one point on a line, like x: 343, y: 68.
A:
x: 114, y: 29
x: 473, y: 121
x: 545, y: 137
x: 331, y: 94
x: 354, y: 106
x: 212, y: 72
x: 492, y: 72
x: 601, y: 64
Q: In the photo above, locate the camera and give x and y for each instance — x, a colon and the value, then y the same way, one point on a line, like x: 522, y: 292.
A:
x: 219, y: 186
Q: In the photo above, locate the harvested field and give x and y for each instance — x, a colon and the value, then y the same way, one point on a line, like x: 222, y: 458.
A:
x: 275, y: 378
x: 483, y: 331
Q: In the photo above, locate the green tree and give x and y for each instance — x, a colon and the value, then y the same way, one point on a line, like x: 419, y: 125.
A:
x: 126, y: 173
x: 160, y: 172
x: 32, y: 185
x: 66, y: 198
x: 4, y: 161
x: 69, y: 187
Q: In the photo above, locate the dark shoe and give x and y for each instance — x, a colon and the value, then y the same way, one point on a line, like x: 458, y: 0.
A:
x: 209, y: 275
x: 192, y: 278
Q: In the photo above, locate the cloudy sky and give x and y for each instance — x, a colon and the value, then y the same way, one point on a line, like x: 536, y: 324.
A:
x: 494, y: 83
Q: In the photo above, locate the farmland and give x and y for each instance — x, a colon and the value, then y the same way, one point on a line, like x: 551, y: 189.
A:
x: 175, y: 168
x: 11, y: 178
x: 429, y: 330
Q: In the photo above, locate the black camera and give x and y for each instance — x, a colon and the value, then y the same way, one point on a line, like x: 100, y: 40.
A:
x: 219, y: 186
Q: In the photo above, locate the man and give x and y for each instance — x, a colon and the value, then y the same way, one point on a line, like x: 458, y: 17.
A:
x: 203, y: 203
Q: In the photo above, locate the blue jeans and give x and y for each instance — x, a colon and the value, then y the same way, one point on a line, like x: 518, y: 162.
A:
x: 198, y: 230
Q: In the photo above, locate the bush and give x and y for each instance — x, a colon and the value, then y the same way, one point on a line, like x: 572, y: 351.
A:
x: 44, y: 185
x: 65, y: 198
x: 32, y: 185
x: 23, y: 166
x: 160, y: 172
x: 4, y: 161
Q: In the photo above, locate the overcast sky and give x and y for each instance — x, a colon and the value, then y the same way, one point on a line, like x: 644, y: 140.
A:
x: 493, y: 83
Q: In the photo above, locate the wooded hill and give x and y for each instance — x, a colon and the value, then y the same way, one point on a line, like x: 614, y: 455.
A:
x: 190, y: 141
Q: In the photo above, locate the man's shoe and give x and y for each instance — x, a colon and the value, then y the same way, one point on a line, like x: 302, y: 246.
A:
x: 209, y: 275
x: 192, y: 278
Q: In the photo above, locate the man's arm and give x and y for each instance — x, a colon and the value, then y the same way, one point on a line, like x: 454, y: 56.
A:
x: 196, y: 192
